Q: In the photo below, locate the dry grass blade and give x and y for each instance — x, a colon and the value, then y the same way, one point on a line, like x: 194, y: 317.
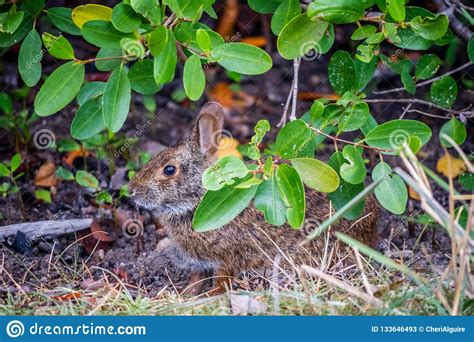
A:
x: 343, y: 285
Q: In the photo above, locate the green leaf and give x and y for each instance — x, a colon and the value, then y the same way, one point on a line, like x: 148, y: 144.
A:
x: 6, y: 103
x: 67, y: 145
x: 165, y: 61
x: 29, y: 59
x: 149, y: 9
x: 300, y: 36
x: 108, y: 64
x: 455, y: 130
x: 354, y: 117
x: 408, y: 38
x: 268, y: 200
x: 59, y: 89
x: 467, y: 181
x: 291, y: 191
x: 346, y: 191
x: 141, y: 77
x: 286, y: 11
x: 34, y: 6
x: 264, y: 6
x: 470, y: 48
x: 376, y: 38
x: 9, y: 39
x: 58, y: 47
x: 88, y: 120
x: 337, y: 11
x: 104, y: 197
x: 249, y: 183
x: 393, y: 134
x: 125, y: 19
x: 4, y: 171
x: 427, y: 66
x: 11, y: 20
x: 157, y: 40
x: 86, y: 180
x: 64, y: 174
x: 103, y: 34
x: 15, y: 162
x: 325, y: 44
x: 408, y: 82
x: 353, y: 172
x: 391, y: 193
x: 316, y: 110
x: 261, y: 129
x: 396, y: 9
x: 62, y: 19
x: 218, y: 208
x: 363, y: 32
x: 116, y: 101
x: 90, y: 90
x: 242, y: 58
x: 193, y: 78
x: 190, y: 9
x: 316, y: 174
x: 295, y: 140
x: 364, y: 72
x: 224, y: 172
x: 430, y: 28
x: 43, y: 195
x: 203, y: 40
x: 341, y: 72
x: 444, y: 91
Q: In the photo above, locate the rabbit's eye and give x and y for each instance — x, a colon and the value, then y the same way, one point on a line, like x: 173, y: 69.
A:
x: 169, y: 170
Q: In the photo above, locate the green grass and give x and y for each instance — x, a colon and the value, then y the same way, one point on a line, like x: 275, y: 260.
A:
x: 397, y: 294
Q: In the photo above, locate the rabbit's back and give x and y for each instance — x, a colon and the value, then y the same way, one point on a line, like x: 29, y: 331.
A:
x: 249, y: 242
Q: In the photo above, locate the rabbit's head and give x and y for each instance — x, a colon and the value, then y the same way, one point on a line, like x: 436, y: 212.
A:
x: 170, y: 183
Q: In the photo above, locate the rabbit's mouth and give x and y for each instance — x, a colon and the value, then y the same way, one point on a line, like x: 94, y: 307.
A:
x: 163, y: 208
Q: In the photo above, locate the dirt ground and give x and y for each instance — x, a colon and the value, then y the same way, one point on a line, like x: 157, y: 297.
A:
x: 145, y: 263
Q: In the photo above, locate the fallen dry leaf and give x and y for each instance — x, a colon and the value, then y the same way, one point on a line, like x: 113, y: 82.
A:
x: 413, y: 194
x: 228, y: 147
x: 68, y: 296
x: 245, y: 305
x: 99, y: 233
x: 450, y: 166
x: 97, y: 237
x: 308, y: 96
x: 72, y: 155
x: 228, y: 98
x: 228, y: 18
x: 259, y: 41
x: 46, y: 175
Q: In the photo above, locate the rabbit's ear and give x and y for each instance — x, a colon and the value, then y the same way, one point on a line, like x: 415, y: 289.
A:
x: 209, y: 127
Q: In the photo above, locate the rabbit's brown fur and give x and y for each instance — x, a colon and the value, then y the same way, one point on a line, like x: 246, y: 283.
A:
x: 245, y: 243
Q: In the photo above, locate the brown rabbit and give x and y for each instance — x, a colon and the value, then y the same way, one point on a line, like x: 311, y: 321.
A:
x: 170, y: 186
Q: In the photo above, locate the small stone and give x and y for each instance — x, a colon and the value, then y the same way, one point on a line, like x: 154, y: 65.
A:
x: 163, y: 244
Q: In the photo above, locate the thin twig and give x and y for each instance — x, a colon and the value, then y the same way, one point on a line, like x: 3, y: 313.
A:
x: 296, y: 68
x: 421, y: 84
x: 461, y: 30
x: 424, y: 103
x: 285, y: 109
x: 91, y: 60
x: 409, y: 110
x: 349, y: 142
